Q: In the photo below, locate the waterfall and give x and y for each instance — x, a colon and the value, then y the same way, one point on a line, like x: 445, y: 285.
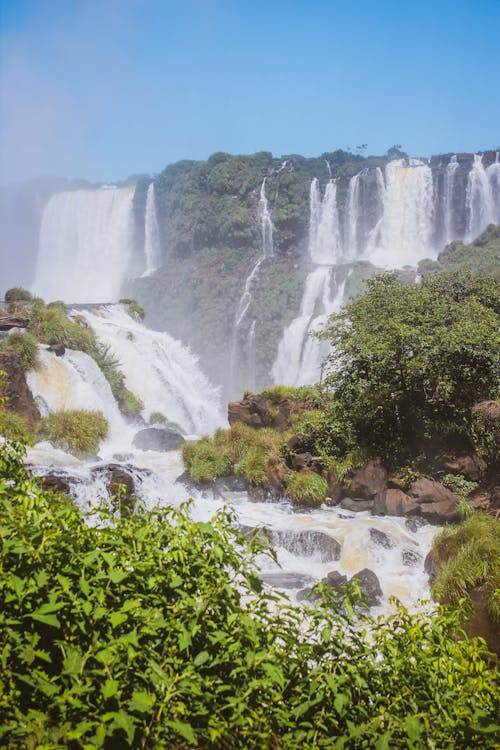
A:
x: 404, y: 234
x: 74, y: 381
x: 85, y: 245
x: 354, y: 216
x: 266, y: 224
x: 325, y: 244
x: 448, y: 195
x: 493, y: 172
x: 152, y: 247
x: 160, y: 370
x: 479, y: 201
x: 298, y: 360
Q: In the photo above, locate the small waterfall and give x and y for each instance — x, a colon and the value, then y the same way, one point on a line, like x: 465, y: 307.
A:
x: 404, y: 234
x: 448, y: 195
x: 298, y: 360
x: 354, y: 216
x: 74, y: 381
x: 493, y: 172
x: 85, y: 245
x: 325, y: 243
x: 152, y: 247
x: 266, y: 224
x: 479, y: 201
x: 160, y: 370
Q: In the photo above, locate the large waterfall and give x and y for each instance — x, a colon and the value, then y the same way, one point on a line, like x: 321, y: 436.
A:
x: 152, y: 247
x: 86, y: 245
x: 160, y: 370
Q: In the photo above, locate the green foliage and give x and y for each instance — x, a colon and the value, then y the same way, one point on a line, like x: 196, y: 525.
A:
x: 75, y: 430
x: 470, y: 556
x: 51, y: 326
x: 482, y: 256
x: 458, y: 484
x: 408, y: 362
x: 205, y: 460
x: 307, y: 488
x: 130, y: 404
x: 17, y: 294
x: 133, y: 308
x: 15, y: 427
x: 486, y: 432
x: 26, y: 345
x: 153, y: 631
x: 311, y: 394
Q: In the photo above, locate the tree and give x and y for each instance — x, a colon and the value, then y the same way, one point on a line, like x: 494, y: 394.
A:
x: 408, y: 362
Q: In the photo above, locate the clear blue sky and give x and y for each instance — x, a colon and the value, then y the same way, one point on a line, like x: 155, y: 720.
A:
x: 104, y: 88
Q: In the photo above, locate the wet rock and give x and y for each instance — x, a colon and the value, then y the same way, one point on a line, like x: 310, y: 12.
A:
x: 335, y: 580
x: 356, y: 504
x: 471, y: 466
x: 158, y: 439
x: 334, y: 487
x: 430, y: 566
x: 370, y: 586
x: 414, y: 523
x: 308, y: 543
x: 58, y: 349
x: 53, y: 479
x: 287, y: 580
x: 394, y: 502
x: 480, y: 623
x: 437, y: 504
x: 381, y: 539
x: 12, y: 321
x: 18, y: 395
x: 368, y: 482
x: 410, y: 557
x: 120, y: 483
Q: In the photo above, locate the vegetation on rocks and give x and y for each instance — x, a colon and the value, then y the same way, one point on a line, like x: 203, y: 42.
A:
x: 153, y: 631
x: 76, y: 430
x: 26, y: 345
x: 480, y: 256
x: 307, y: 488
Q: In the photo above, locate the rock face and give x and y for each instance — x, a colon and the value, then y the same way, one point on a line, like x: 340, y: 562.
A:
x: 308, y: 543
x: 425, y: 498
x: 370, y: 586
x: 11, y: 321
x: 257, y: 412
x: 120, y: 483
x: 368, y: 482
x: 158, y: 439
x: 19, y: 397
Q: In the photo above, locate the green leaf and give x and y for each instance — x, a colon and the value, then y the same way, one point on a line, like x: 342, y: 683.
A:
x: 110, y: 688
x: 51, y: 620
x: 141, y: 701
x: 185, y: 730
x: 201, y: 658
x: 117, y: 618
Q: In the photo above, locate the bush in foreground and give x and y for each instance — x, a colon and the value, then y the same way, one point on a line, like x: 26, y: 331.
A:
x: 74, y: 430
x: 153, y: 632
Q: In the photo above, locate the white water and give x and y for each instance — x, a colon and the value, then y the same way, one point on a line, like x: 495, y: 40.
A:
x: 325, y: 246
x: 354, y: 216
x: 404, y: 235
x: 160, y: 370
x: 266, y: 224
x: 85, y: 246
x: 449, y: 187
x: 152, y: 248
x: 479, y: 201
x: 493, y: 172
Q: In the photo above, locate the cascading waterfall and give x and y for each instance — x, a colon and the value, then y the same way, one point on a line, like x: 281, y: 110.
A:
x: 267, y: 251
x: 479, y: 201
x: 160, y: 370
x: 404, y: 235
x: 152, y: 247
x: 298, y: 361
x: 86, y: 245
x: 493, y: 172
x: 354, y: 215
x: 449, y: 190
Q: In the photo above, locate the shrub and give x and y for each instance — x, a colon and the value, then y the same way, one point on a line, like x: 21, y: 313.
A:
x: 458, y: 484
x: 307, y: 488
x: 472, y: 558
x: 15, y: 427
x: 52, y: 326
x: 17, y: 294
x: 204, y: 460
x: 133, y: 308
x: 76, y: 430
x: 26, y: 345
x: 130, y: 404
x: 153, y: 631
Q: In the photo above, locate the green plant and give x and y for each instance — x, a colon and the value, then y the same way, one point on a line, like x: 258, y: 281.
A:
x: 76, y: 430
x: 26, y: 345
x: 458, y: 484
x: 469, y: 556
x: 133, y: 308
x: 204, y: 460
x: 15, y: 427
x: 18, y: 294
x: 307, y: 488
x: 154, y: 631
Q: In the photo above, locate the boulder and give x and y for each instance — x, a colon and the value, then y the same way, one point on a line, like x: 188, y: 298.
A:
x: 356, y: 504
x: 257, y: 412
x: 12, y: 321
x: 158, y: 439
x: 437, y: 504
x: 469, y: 465
x: 480, y: 622
x: 16, y: 390
x: 58, y: 349
x: 381, y: 539
x: 370, y: 586
x: 120, y: 484
x: 308, y: 543
x: 287, y: 580
x: 394, y: 502
x: 410, y: 557
x: 368, y: 482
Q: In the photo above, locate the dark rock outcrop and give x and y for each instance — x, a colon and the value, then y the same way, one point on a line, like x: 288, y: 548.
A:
x: 257, y: 412
x: 381, y: 539
x: 368, y: 482
x: 308, y: 543
x: 370, y: 586
x: 16, y: 390
x: 58, y: 349
x: 356, y: 504
x: 158, y: 439
x: 12, y: 321
x: 480, y: 623
x: 287, y: 580
x: 120, y: 483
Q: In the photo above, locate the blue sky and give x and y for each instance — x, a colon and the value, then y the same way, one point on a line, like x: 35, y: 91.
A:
x: 102, y: 89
